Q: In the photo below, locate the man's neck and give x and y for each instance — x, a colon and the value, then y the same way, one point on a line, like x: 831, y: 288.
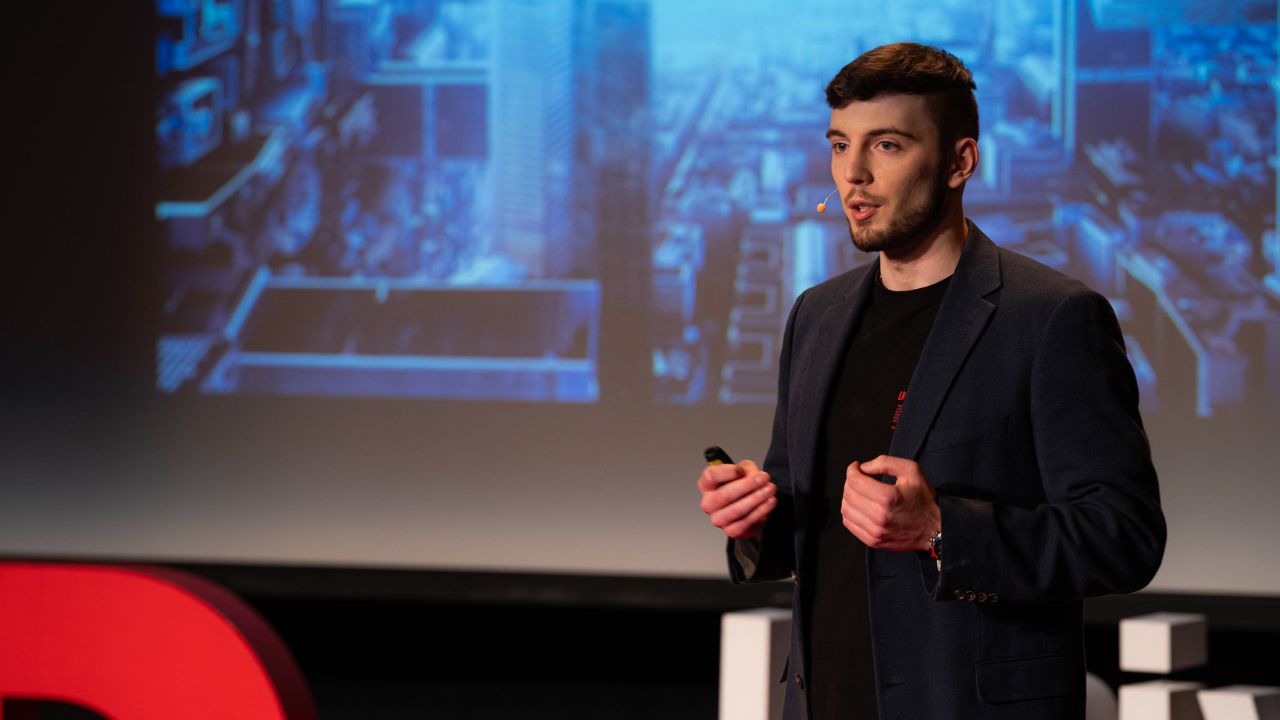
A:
x: 927, y: 262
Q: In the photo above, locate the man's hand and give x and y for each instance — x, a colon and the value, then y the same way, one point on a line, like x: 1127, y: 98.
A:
x: 738, y: 498
x: 899, y: 517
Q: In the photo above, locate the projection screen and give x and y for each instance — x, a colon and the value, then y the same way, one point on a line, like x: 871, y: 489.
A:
x: 470, y: 285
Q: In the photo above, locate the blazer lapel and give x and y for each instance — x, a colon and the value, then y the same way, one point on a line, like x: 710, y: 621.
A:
x: 961, y: 319
x: 836, y: 322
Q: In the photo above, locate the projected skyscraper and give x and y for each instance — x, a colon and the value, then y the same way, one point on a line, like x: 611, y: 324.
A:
x: 621, y: 105
x: 532, y: 131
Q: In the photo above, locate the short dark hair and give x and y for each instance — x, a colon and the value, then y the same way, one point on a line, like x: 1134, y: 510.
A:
x: 913, y: 69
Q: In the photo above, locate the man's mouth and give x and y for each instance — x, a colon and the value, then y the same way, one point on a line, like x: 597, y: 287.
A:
x: 862, y: 211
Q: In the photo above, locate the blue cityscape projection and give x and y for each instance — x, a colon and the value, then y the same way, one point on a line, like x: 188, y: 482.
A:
x: 586, y: 200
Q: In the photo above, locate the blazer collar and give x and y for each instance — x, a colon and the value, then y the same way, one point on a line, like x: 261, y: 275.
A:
x: 965, y: 311
x: 836, y: 322
x: 961, y: 318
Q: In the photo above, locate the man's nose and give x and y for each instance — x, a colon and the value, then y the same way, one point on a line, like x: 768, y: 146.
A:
x: 855, y: 170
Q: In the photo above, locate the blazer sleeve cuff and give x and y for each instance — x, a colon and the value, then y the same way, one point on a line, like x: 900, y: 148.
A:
x: 962, y: 576
x: 744, y: 560
x: 767, y: 559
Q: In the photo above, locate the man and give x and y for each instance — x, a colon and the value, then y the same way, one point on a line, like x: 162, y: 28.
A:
x: 957, y: 458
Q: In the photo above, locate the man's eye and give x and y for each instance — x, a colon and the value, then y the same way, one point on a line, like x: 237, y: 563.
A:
x: 887, y: 145
x: 839, y: 147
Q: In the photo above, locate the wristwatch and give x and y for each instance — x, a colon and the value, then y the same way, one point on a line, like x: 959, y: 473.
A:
x: 935, y: 548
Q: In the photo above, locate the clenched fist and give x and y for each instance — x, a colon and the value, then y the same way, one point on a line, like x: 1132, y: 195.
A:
x: 899, y: 517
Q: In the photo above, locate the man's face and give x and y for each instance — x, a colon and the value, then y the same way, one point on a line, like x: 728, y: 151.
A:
x: 886, y: 162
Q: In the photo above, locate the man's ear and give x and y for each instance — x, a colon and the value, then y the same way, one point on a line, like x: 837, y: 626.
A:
x: 964, y: 162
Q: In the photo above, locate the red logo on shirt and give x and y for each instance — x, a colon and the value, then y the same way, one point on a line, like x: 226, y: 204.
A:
x: 897, y: 412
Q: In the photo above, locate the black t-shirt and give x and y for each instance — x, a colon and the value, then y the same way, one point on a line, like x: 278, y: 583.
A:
x: 859, y: 424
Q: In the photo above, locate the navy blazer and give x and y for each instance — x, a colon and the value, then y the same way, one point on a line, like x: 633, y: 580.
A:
x: 1023, y: 415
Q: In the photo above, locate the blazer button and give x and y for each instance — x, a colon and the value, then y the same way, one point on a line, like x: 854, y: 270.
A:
x: 958, y: 594
x: 799, y: 682
x: 992, y: 597
x: 982, y: 597
x: 968, y: 595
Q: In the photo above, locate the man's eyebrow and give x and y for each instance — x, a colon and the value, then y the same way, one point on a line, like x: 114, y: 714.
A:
x: 874, y: 133
x: 890, y: 130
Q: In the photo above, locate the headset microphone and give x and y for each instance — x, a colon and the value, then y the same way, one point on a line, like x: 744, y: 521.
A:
x: 822, y: 206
